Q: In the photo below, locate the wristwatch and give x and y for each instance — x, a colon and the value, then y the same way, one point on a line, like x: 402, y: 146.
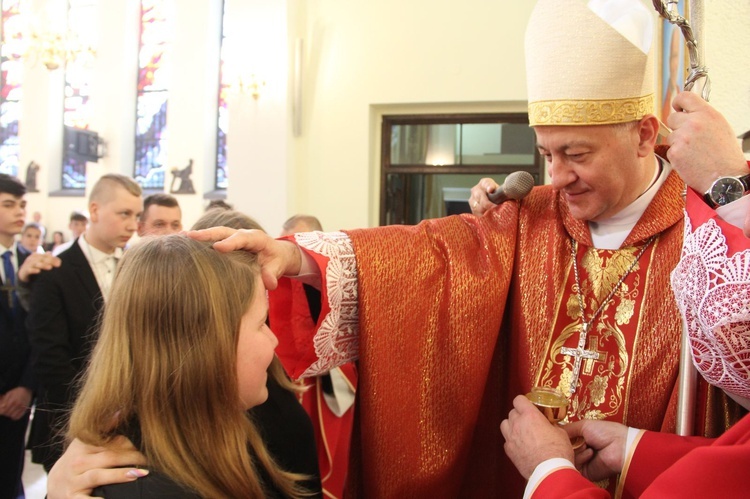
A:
x: 724, y: 190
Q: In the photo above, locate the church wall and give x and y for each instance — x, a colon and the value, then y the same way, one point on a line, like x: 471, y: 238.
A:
x: 727, y: 42
x: 364, y: 58
x: 360, y: 60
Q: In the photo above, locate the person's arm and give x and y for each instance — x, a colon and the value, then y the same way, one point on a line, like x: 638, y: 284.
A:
x: 15, y: 402
x: 530, y: 439
x: 567, y: 482
x: 276, y: 257
x: 479, y: 201
x: 34, y: 264
x: 702, y: 145
x: 543, y: 454
x: 84, y: 467
x: 654, y: 454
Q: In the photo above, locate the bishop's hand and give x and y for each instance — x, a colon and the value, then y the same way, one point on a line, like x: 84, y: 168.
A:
x: 530, y: 439
x: 276, y: 257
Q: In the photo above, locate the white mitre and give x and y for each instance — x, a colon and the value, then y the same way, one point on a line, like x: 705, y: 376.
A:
x: 589, y: 63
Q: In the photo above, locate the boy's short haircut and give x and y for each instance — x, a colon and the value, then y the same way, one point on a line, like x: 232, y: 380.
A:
x: 110, y: 180
x: 160, y: 199
x: 77, y: 216
x: 12, y: 185
x: 34, y: 225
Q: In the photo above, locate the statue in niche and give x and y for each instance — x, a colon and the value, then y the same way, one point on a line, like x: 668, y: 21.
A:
x: 31, y: 171
x: 186, y: 184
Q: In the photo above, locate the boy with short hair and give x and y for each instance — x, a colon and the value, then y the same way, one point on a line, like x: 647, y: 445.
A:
x: 77, y: 225
x: 65, y: 304
x: 32, y: 237
x: 16, y: 380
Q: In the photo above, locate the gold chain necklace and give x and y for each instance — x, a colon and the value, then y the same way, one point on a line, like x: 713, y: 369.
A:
x: 579, y: 353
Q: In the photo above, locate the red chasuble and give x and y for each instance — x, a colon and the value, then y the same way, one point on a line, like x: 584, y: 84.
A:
x: 459, y: 315
x: 290, y: 317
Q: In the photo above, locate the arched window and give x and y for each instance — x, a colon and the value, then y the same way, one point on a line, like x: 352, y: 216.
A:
x: 11, y: 64
x: 153, y: 93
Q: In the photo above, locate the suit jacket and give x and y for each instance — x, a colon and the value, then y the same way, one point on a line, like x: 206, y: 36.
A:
x: 15, y: 351
x: 65, y: 305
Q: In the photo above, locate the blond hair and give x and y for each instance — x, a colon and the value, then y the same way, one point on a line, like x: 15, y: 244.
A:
x: 101, y: 192
x: 166, y: 360
x: 238, y: 220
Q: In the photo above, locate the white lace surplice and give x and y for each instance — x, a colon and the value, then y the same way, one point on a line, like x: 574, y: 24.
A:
x: 713, y: 292
x: 337, y: 340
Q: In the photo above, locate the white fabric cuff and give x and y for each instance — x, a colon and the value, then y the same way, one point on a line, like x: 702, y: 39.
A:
x: 734, y: 213
x: 629, y: 440
x: 542, y: 470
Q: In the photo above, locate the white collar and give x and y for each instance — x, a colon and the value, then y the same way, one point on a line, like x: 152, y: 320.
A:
x: 612, y: 232
x: 13, y: 248
x: 96, y: 256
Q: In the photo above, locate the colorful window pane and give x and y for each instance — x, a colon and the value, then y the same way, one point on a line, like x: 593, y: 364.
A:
x: 11, y: 65
x: 222, y: 178
x: 153, y: 92
x: 78, y: 75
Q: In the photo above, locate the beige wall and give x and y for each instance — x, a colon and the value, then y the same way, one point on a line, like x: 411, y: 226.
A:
x: 727, y: 45
x: 364, y: 59
x: 360, y: 60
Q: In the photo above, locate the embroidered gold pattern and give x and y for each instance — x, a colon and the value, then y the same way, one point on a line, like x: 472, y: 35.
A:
x: 590, y: 112
x: 603, y: 379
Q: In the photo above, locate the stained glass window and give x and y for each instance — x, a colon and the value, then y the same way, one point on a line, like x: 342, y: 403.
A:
x: 153, y: 93
x: 78, y: 74
x: 11, y: 64
x: 222, y: 178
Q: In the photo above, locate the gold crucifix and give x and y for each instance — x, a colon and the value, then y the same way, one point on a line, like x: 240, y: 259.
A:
x: 588, y: 366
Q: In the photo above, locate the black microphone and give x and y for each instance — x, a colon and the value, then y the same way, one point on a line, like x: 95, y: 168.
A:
x: 516, y: 186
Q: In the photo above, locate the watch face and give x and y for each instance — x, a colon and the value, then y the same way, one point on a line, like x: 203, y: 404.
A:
x: 726, y: 189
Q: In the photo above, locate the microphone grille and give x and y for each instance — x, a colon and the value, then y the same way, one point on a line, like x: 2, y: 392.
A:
x: 518, y: 184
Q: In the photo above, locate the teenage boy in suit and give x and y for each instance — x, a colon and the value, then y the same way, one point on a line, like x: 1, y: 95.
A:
x: 16, y: 379
x: 65, y: 304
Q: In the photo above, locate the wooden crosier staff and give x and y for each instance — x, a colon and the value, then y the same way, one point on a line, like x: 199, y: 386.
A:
x: 688, y: 376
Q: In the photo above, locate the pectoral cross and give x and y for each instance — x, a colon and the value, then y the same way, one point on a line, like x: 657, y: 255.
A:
x: 580, y: 353
x: 7, y: 288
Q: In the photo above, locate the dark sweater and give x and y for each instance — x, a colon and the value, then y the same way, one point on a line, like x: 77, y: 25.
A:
x: 287, y: 433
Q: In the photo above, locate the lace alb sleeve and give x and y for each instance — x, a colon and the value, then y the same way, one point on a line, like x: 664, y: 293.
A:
x: 336, y: 342
x: 713, y: 292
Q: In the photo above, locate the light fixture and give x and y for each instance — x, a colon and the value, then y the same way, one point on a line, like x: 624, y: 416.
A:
x: 56, y: 49
x: 250, y: 85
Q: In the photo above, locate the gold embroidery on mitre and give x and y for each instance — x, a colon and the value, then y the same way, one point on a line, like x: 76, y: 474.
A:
x: 590, y: 112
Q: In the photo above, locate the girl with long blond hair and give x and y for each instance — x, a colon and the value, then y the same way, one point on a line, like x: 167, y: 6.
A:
x: 181, y: 357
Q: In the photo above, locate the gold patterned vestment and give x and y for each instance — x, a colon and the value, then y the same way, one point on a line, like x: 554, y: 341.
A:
x: 495, y: 294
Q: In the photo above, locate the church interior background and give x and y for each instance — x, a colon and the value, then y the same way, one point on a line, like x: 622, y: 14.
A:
x: 278, y: 105
x: 359, y: 113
